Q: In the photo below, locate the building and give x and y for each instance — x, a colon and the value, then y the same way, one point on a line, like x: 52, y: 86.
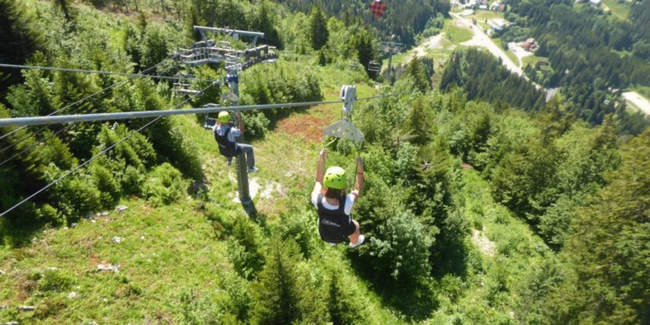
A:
x: 595, y: 3
x: 498, y: 25
x: 498, y: 6
x: 530, y: 45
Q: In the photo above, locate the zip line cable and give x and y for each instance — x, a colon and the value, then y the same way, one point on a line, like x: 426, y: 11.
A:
x: 95, y: 157
x: 145, y: 114
x: 38, y: 143
x: 125, y: 74
x: 66, y: 107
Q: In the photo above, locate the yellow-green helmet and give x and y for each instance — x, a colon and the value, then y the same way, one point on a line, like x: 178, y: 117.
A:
x: 224, y: 117
x: 335, y: 178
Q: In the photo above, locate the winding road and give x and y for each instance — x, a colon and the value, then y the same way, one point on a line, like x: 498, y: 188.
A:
x: 481, y: 39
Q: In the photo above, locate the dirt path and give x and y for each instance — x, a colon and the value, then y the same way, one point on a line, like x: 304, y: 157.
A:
x: 638, y: 101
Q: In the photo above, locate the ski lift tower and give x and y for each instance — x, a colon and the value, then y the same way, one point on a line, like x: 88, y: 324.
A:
x: 391, y: 48
x: 209, y: 51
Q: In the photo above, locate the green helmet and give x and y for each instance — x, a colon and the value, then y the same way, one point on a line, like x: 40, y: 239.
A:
x: 224, y: 117
x: 335, y: 178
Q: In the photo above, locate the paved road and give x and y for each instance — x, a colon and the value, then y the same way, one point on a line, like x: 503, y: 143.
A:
x: 481, y: 39
x: 638, y: 100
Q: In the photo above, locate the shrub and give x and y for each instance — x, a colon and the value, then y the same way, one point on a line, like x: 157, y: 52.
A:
x: 54, y: 280
x: 402, y: 247
x: 244, y: 250
x: 77, y: 197
x: 164, y: 185
x: 107, y: 185
x: 131, y: 181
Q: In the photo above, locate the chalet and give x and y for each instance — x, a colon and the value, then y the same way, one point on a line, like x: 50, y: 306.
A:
x: 498, y: 6
x: 530, y: 45
x: 498, y: 24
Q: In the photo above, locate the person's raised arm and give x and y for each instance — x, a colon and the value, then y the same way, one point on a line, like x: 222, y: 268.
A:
x: 321, y: 166
x: 240, y: 121
x: 358, y: 185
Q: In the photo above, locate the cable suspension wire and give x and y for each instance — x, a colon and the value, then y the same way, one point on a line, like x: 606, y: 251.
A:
x: 94, y: 157
x: 66, y: 107
x: 146, y: 114
x: 125, y: 74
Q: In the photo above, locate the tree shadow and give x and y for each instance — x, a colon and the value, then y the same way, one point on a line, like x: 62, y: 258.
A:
x: 17, y: 232
x: 450, y: 260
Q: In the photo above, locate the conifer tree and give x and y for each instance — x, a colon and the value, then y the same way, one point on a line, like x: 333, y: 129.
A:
x: 276, y: 292
x: 342, y: 306
x: 419, y: 122
x: 610, y: 246
x: 65, y: 7
x: 19, y: 39
x: 416, y: 70
x: 318, y: 28
x: 263, y: 22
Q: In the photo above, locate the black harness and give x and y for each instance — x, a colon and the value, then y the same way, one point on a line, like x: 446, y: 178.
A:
x: 226, y: 148
x: 332, y: 224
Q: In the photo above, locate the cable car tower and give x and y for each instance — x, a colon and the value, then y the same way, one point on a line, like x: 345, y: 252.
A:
x: 208, y: 51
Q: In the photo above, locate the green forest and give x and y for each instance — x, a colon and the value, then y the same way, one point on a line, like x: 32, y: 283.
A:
x: 592, y: 58
x: 484, y: 202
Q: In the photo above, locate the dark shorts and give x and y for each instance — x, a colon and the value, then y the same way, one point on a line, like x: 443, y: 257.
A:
x: 351, y: 228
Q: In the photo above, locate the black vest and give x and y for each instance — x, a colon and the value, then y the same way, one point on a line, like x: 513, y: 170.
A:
x: 332, y: 224
x: 226, y: 148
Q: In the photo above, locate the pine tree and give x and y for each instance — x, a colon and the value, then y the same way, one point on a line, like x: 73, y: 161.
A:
x: 610, y: 246
x: 419, y: 122
x: 19, y: 38
x: 318, y: 28
x: 343, y: 308
x: 416, y: 70
x: 276, y: 292
x: 65, y: 7
x: 321, y: 60
x: 263, y: 22
x: 362, y: 44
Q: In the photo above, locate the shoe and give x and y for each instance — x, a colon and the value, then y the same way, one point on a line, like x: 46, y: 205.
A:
x: 252, y: 170
x: 359, y: 242
x: 229, y: 162
x: 332, y: 244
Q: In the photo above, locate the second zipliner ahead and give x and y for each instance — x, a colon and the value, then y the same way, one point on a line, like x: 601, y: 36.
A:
x: 226, y: 135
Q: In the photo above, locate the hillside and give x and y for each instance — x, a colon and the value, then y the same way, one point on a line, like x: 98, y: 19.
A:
x: 482, y: 202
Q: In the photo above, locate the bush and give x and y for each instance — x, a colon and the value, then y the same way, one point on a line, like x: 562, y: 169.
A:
x: 244, y: 250
x: 49, y: 214
x: 54, y: 280
x: 77, y: 197
x: 300, y: 227
x: 131, y: 181
x: 200, y: 308
x: 164, y: 185
x: 170, y: 143
x: 402, y: 247
x: 108, y: 187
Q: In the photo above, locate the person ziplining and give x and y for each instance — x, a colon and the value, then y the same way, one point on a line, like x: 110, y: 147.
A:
x: 329, y: 197
x: 334, y: 206
x: 225, y: 133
